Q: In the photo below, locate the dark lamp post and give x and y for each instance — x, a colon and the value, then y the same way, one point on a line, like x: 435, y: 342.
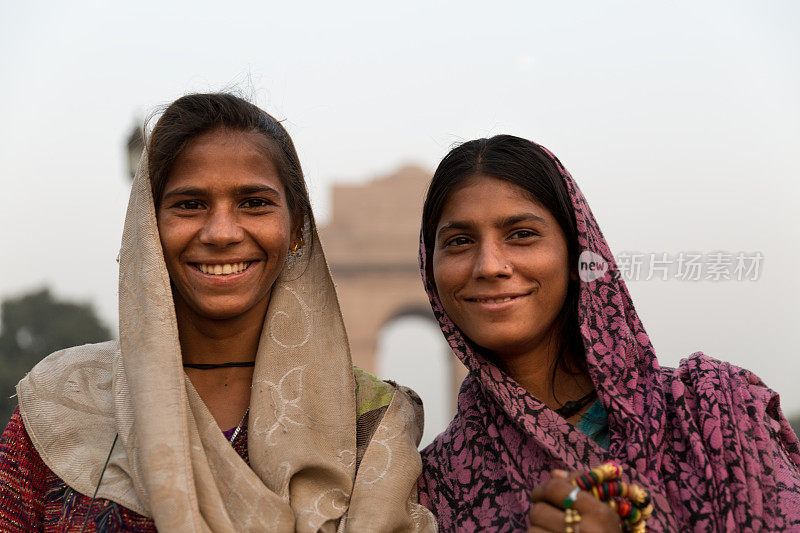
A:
x: 135, y: 147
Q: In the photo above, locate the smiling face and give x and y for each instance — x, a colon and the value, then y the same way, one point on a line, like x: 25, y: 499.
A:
x: 501, y: 266
x: 225, y: 226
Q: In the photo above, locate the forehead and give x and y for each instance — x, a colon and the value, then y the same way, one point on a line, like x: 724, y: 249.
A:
x: 488, y: 198
x: 224, y: 157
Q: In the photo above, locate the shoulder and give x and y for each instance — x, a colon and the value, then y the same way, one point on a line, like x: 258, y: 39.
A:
x: 388, y: 432
x: 97, y: 353
x: 702, y: 375
x: 90, y: 365
x: 442, y: 477
x: 734, y: 397
x: 735, y: 423
x: 374, y: 397
x: 371, y: 393
x: 701, y: 381
x: 701, y: 366
x: 74, y: 379
x: 66, y: 403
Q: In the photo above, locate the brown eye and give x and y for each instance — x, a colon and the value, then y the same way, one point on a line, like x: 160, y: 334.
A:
x: 523, y: 234
x: 457, y: 241
x: 255, y: 203
x: 189, y: 204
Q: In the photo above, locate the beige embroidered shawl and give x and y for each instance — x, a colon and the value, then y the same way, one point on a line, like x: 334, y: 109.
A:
x: 172, y: 462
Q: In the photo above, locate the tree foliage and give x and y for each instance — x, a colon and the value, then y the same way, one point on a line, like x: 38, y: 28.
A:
x: 35, y: 325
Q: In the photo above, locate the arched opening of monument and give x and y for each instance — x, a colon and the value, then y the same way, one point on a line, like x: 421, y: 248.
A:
x: 412, y: 352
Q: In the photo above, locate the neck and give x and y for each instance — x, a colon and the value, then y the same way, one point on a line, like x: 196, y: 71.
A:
x: 211, y: 341
x: 225, y: 391
x: 533, y: 370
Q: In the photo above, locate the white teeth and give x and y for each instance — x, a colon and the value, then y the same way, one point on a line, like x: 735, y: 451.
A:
x: 494, y: 300
x: 223, y: 270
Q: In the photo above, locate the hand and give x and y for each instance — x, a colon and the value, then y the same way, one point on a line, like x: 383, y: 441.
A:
x: 547, y: 513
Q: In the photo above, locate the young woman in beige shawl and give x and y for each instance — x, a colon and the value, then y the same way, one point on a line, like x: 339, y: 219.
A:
x: 228, y: 321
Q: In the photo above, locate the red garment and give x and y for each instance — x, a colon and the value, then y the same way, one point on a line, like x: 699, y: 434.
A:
x: 33, y: 498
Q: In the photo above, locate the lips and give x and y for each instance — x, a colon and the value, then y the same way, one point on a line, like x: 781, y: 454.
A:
x: 492, y: 300
x: 495, y: 298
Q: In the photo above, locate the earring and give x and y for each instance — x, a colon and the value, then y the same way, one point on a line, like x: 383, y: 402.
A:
x: 297, y: 248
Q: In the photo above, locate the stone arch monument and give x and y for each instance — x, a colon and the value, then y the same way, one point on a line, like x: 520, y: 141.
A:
x: 371, y: 244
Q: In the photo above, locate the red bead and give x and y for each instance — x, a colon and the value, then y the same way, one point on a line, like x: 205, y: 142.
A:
x: 623, y: 507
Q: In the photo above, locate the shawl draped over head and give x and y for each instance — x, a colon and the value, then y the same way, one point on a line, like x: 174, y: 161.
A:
x: 708, y: 439
x: 172, y: 462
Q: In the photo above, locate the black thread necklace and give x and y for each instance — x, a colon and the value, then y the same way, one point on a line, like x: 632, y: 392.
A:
x: 570, y: 408
x: 210, y: 366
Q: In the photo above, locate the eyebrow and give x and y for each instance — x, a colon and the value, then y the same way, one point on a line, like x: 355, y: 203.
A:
x: 503, y: 223
x: 522, y: 217
x: 244, y: 190
x: 453, y: 225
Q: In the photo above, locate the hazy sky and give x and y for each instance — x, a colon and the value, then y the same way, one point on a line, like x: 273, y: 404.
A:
x: 680, y: 121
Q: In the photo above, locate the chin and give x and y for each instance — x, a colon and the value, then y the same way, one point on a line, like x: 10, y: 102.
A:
x: 221, y: 309
x: 218, y: 313
x: 221, y: 314
x: 501, y: 343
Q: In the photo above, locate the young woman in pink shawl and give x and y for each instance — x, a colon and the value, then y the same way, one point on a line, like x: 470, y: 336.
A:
x: 562, y: 375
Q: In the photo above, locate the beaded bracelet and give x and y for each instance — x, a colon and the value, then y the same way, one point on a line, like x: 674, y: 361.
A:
x: 631, y: 502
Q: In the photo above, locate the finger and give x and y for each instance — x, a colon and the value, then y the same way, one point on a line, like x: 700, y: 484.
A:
x: 575, y: 474
x: 560, y: 474
x: 553, y: 491
x: 556, y: 491
x: 547, y: 516
x: 537, y: 529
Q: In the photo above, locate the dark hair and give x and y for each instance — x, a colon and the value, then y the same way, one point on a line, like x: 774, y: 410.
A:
x: 528, y: 166
x: 194, y: 114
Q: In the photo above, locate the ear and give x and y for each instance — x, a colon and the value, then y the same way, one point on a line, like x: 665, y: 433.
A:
x: 297, y: 231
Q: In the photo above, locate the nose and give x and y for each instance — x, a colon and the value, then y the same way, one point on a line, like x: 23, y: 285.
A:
x: 491, y: 262
x: 221, y: 228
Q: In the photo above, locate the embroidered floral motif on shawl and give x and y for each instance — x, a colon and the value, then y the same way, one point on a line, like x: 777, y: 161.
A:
x: 35, y: 498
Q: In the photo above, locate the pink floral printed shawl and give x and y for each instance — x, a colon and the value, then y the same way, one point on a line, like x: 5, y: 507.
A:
x: 708, y: 439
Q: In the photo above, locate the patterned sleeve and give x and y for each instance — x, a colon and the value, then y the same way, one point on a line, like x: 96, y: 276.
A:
x: 22, y: 480
x: 782, y: 447
x: 753, y: 455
